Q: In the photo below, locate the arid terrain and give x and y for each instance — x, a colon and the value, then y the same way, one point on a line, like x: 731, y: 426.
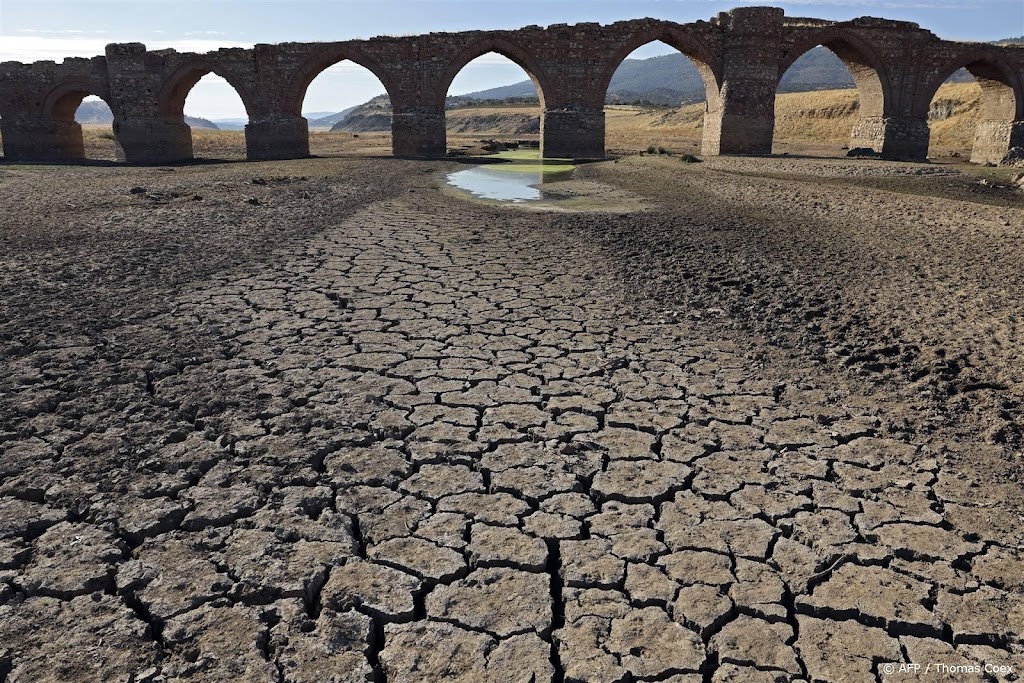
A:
x: 324, y: 420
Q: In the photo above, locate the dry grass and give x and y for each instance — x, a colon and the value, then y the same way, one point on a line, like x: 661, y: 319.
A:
x: 957, y: 132
x: 487, y: 111
x: 630, y: 128
x: 827, y: 117
x: 819, y: 121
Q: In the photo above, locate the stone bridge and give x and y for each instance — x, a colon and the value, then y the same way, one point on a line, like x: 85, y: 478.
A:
x: 741, y: 55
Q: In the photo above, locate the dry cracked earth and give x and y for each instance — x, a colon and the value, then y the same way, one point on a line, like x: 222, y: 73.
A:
x: 317, y: 421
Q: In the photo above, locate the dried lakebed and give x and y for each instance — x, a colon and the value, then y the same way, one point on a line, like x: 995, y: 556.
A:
x: 306, y: 428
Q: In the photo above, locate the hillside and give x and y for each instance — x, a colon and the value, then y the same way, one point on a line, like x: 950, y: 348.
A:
x: 97, y: 112
x: 327, y: 120
x: 823, y: 117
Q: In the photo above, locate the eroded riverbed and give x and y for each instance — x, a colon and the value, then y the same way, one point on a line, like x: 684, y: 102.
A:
x: 361, y: 426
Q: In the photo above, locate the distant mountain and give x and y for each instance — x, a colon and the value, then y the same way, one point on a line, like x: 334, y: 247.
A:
x: 327, y: 120
x: 231, y: 124
x: 196, y: 122
x: 673, y: 80
x: 97, y: 112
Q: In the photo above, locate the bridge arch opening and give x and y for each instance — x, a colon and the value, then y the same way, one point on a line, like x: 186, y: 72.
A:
x: 672, y: 118
x: 82, y: 124
x: 347, y: 110
x: 492, y: 97
x: 830, y: 97
x: 216, y: 118
x: 657, y: 97
x: 975, y: 107
x: 208, y: 113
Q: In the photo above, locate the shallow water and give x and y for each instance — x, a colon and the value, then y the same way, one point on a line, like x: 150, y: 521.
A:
x: 517, y: 177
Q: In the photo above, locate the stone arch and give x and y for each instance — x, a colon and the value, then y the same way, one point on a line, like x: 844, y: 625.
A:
x: 320, y: 61
x: 175, y: 90
x: 59, y: 106
x: 1001, y: 117
x: 1002, y: 91
x: 505, y: 48
x: 702, y: 56
x: 177, y: 86
x: 62, y: 102
x: 862, y: 60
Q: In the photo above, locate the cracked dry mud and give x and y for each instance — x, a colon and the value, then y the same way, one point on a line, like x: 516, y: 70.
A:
x: 356, y: 430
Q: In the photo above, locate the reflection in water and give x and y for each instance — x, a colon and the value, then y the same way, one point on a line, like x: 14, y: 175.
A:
x: 514, y: 180
x: 503, y: 186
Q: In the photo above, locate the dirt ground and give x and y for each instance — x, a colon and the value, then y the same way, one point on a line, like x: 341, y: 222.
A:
x: 323, y: 420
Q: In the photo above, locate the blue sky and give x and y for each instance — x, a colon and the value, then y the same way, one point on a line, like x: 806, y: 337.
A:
x: 52, y: 29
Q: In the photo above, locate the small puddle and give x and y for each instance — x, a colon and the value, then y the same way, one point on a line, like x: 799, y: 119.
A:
x: 512, y: 176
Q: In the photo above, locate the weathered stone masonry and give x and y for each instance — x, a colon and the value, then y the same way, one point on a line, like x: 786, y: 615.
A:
x: 741, y: 55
